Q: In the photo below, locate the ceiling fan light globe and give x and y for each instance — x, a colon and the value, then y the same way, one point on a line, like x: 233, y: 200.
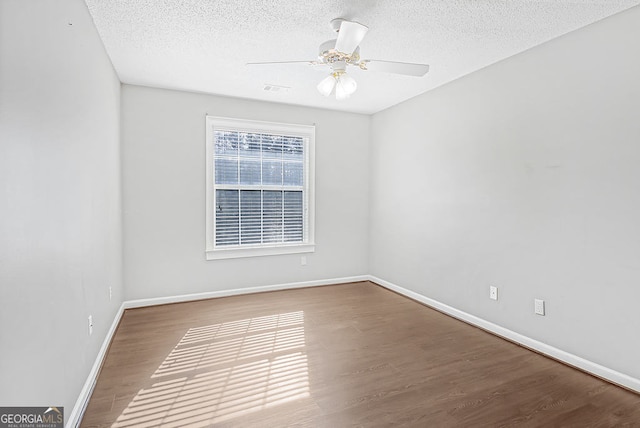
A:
x: 348, y: 83
x: 341, y: 92
x: 326, y: 85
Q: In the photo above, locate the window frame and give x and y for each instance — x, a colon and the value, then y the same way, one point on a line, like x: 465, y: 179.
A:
x: 307, y: 132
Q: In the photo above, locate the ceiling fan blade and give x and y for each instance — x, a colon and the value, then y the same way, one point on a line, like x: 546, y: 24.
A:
x: 311, y: 62
x: 350, y: 35
x: 406, y: 68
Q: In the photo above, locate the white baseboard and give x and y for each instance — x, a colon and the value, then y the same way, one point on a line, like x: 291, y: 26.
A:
x: 81, y: 403
x: 238, y: 291
x: 558, y: 354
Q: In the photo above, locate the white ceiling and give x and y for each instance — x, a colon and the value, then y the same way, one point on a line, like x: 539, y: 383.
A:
x: 204, y: 45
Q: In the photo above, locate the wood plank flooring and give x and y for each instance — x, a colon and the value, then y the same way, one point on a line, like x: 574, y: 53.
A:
x: 345, y: 355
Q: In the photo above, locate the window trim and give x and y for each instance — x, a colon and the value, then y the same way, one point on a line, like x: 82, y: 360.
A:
x: 242, y: 125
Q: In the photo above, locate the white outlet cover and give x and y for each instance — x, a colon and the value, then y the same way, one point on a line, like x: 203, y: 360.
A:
x: 493, y: 293
x: 539, y: 306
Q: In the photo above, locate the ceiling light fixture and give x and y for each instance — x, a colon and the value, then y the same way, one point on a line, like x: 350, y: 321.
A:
x: 339, y: 80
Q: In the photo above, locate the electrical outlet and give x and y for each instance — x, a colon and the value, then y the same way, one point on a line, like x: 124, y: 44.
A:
x: 539, y: 306
x: 90, y: 325
x: 493, y: 292
x: 303, y: 260
x: 110, y: 293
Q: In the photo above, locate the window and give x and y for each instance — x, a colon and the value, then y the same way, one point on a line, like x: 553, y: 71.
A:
x: 259, y: 188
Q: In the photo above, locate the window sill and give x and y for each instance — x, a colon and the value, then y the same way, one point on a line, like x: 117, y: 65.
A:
x: 233, y: 253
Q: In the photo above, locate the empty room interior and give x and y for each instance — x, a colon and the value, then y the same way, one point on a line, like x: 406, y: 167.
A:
x: 334, y: 213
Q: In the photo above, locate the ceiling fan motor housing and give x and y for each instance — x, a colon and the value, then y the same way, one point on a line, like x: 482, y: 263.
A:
x: 327, y: 54
x: 327, y: 46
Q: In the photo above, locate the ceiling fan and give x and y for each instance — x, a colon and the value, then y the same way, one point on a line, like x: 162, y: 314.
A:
x: 345, y: 51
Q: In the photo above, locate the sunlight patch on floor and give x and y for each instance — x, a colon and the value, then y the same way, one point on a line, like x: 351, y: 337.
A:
x: 221, y: 371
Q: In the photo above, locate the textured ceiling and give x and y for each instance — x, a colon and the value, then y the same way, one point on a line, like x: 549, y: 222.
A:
x: 204, y: 45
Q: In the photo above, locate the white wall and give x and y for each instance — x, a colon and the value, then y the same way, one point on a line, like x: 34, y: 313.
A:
x: 164, y: 195
x: 60, y: 216
x: 524, y: 175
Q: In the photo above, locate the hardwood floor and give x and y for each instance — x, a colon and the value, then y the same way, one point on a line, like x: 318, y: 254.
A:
x: 345, y: 355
